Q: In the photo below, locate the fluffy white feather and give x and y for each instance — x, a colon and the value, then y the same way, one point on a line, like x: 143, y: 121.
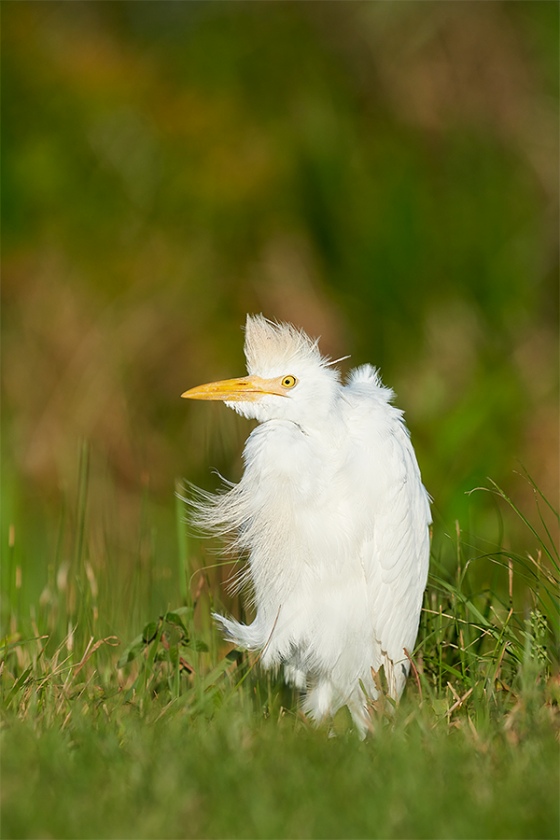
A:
x: 332, y: 517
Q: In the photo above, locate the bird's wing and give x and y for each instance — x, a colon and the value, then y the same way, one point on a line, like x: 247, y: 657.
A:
x: 395, y: 549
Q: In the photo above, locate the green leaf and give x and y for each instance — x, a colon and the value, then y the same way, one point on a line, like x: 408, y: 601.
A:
x: 182, y: 611
x: 178, y: 617
x: 150, y: 632
x: 133, y: 650
x: 196, y: 644
x: 235, y: 655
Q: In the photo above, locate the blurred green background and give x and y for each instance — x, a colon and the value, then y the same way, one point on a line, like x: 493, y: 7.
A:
x: 382, y: 174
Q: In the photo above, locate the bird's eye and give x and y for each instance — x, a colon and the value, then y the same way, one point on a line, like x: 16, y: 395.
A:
x: 289, y: 381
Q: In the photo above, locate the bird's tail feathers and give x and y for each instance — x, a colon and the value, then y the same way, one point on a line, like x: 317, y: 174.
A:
x: 245, y: 635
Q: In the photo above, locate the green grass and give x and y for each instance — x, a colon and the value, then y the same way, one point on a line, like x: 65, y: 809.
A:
x: 164, y: 733
x: 107, y: 771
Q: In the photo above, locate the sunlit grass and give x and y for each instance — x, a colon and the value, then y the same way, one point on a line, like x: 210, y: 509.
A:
x: 165, y: 732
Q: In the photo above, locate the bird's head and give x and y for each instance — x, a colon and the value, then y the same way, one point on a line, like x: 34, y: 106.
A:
x: 288, y: 378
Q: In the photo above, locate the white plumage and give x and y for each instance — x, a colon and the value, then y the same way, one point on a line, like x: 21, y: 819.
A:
x: 333, y: 518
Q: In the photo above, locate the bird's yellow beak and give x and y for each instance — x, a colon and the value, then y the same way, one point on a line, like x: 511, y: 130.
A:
x: 246, y: 389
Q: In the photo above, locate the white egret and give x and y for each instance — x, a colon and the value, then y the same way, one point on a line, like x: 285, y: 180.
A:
x: 333, y: 518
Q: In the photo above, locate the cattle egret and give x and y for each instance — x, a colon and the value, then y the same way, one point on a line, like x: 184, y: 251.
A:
x: 332, y: 517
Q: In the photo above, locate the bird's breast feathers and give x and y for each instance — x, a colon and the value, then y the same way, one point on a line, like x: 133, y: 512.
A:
x: 287, y: 457
x: 333, y: 485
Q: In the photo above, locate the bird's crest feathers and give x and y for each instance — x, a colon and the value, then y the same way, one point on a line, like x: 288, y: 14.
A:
x: 269, y: 344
